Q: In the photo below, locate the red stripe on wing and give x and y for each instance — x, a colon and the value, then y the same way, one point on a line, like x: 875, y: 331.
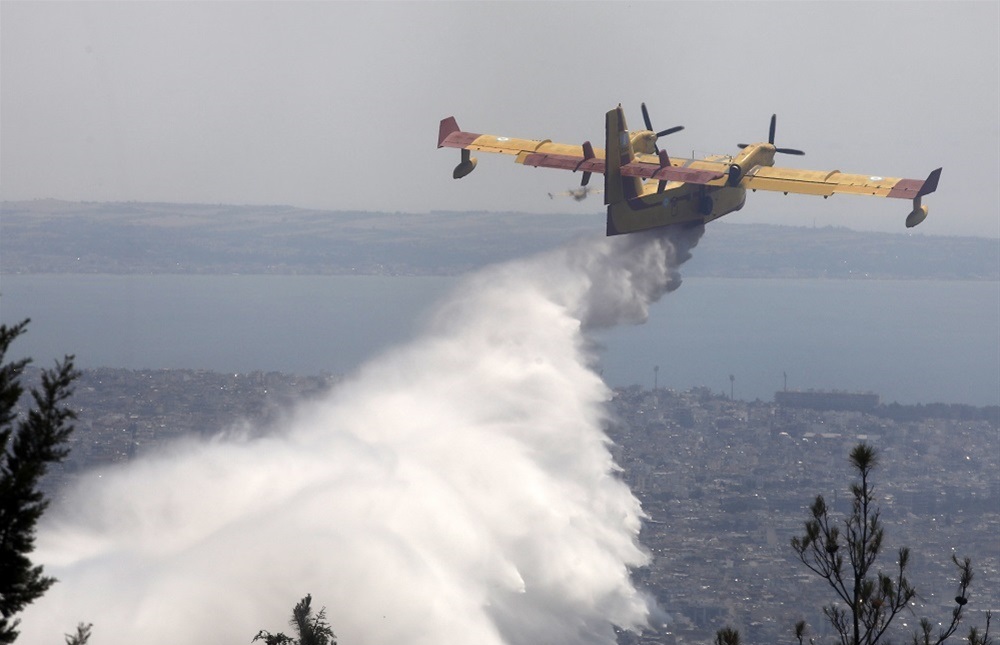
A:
x: 906, y: 188
x: 648, y: 171
x: 564, y: 162
x: 670, y: 173
x: 458, y: 139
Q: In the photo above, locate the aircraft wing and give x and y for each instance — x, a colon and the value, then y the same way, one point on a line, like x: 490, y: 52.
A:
x: 546, y: 154
x: 826, y: 183
x: 531, y: 152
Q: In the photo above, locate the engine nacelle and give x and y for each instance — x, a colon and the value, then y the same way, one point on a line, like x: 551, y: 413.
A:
x: 735, y: 174
x: 468, y: 165
x: 918, y: 215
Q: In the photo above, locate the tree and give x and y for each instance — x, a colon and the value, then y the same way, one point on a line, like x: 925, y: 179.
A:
x: 800, y: 633
x: 313, y: 630
x: 728, y: 636
x: 975, y: 638
x: 27, y: 447
x: 82, y: 635
x: 867, y: 600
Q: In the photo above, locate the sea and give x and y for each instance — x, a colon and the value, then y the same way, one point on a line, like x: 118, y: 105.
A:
x: 909, y: 341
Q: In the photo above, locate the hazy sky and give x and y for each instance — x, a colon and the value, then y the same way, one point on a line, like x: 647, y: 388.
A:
x: 336, y: 105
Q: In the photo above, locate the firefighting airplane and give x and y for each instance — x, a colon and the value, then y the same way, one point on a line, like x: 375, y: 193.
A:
x: 645, y: 188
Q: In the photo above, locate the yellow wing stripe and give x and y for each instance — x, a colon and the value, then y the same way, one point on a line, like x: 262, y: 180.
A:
x: 826, y: 183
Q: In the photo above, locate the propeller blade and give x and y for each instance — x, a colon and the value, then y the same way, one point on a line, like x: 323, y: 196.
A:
x: 649, y: 125
x: 664, y: 163
x: 645, y: 117
x: 770, y: 139
x: 676, y: 128
x: 586, y: 178
x: 742, y: 145
x: 656, y: 135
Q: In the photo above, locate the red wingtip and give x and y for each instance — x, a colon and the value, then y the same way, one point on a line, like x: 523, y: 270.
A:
x: 448, y: 126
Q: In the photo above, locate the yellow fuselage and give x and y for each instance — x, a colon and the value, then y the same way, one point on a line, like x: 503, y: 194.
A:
x: 677, y: 203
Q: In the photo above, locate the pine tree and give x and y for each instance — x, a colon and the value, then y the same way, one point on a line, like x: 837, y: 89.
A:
x: 867, y: 600
x: 312, y: 629
x: 728, y: 636
x: 27, y: 447
x: 82, y: 635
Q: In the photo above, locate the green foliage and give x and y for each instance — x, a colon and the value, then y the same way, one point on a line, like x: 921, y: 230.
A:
x: 869, y: 600
x: 82, y: 635
x: 800, y: 633
x: 27, y: 447
x: 312, y: 629
x: 975, y: 638
x: 273, y: 639
x: 728, y: 636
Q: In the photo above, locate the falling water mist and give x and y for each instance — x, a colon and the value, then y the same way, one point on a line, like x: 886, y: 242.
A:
x: 457, y: 489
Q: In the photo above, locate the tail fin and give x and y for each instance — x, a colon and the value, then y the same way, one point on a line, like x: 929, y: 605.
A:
x: 618, y: 152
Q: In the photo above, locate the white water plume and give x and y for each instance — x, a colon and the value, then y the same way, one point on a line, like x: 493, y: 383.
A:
x: 458, y: 489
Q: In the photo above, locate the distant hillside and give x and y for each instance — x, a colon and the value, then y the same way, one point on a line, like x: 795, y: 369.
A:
x: 49, y: 236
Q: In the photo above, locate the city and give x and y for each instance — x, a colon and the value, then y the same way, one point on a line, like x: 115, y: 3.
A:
x: 725, y: 484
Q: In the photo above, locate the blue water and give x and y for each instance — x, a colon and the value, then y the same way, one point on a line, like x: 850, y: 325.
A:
x: 908, y: 341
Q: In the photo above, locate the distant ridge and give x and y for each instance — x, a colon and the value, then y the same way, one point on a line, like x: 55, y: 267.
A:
x: 51, y: 236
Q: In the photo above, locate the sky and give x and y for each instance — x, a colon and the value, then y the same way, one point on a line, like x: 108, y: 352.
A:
x: 336, y: 105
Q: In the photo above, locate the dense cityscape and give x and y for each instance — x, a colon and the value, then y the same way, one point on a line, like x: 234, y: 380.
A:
x: 725, y: 484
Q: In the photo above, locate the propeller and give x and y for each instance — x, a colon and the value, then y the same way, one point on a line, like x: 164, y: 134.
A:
x: 661, y: 133
x: 770, y: 139
x: 588, y: 153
